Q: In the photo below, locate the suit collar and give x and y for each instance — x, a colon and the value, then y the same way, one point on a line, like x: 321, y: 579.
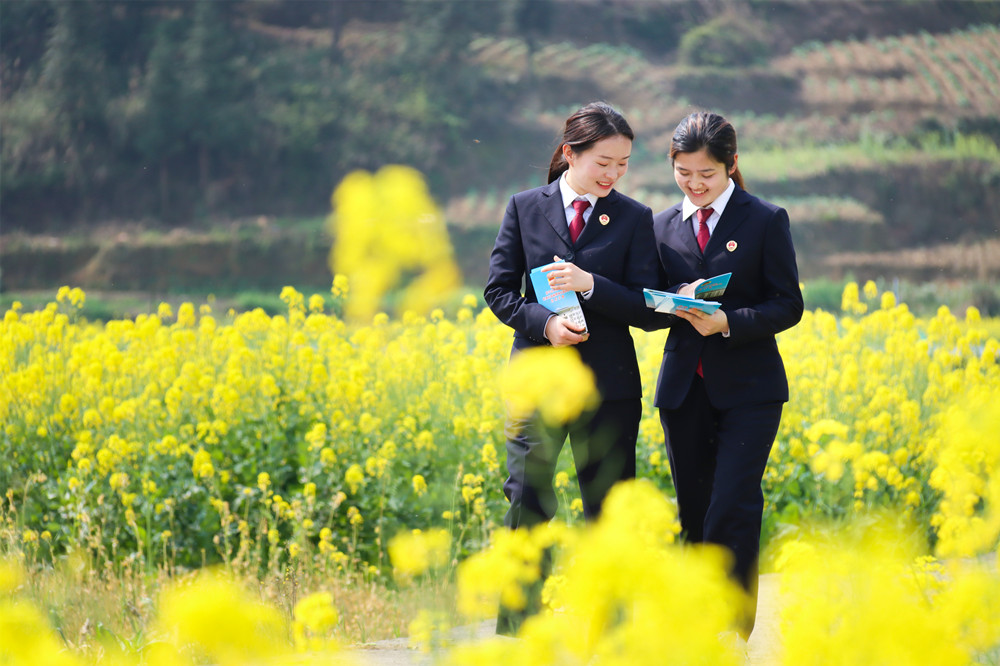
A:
x: 685, y: 230
x: 555, y: 213
x: 604, y: 208
x: 732, y: 217
x: 569, y: 195
x: 719, y: 205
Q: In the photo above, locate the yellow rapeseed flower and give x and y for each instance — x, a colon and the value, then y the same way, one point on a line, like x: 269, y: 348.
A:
x: 201, y: 466
x: 856, y: 596
x: 11, y: 576
x: 968, y: 456
x: 219, y: 620
x: 551, y: 382
x: 26, y: 638
x: 417, y: 552
x: 386, y: 224
x: 354, y: 477
x: 314, y: 618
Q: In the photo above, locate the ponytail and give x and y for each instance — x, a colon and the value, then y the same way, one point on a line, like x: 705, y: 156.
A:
x: 558, y: 164
x: 738, y: 178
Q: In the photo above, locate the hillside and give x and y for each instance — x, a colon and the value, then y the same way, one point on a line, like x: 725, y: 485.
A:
x: 873, y: 123
x: 874, y: 138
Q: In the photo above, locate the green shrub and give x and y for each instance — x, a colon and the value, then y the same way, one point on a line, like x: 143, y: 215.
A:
x: 729, y: 40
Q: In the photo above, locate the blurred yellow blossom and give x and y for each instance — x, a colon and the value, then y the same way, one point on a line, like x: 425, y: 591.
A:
x: 202, y: 466
x: 219, y: 619
x: 418, y: 551
x: 314, y: 618
x: 552, y: 382
x: 386, y: 225
x: 354, y: 477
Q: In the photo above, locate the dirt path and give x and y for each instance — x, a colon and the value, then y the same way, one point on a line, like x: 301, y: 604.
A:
x: 763, y: 644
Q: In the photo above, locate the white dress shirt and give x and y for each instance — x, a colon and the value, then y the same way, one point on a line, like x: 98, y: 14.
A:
x: 718, y: 206
x: 569, y: 195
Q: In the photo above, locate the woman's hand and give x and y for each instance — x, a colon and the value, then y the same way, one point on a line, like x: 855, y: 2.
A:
x: 566, y: 276
x: 717, y: 322
x: 688, y: 289
x: 561, y: 334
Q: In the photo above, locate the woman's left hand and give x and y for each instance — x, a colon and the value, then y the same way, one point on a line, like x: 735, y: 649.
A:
x: 717, y: 322
x: 566, y: 276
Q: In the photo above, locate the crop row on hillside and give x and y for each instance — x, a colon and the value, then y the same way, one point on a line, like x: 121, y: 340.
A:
x: 979, y: 261
x: 957, y: 72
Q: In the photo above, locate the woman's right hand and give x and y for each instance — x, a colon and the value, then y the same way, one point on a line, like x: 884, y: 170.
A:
x: 561, y: 334
x: 688, y: 289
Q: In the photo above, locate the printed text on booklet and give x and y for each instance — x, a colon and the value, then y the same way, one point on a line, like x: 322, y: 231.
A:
x: 563, y: 303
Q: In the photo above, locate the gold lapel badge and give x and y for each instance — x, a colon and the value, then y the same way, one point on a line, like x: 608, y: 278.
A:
x: 731, y: 245
x: 604, y: 220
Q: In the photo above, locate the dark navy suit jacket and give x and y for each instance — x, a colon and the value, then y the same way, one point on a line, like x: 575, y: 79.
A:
x: 621, y: 256
x: 753, y: 241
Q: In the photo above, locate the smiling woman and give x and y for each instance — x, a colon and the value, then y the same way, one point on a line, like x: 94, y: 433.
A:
x: 607, y: 263
x: 596, y: 171
x: 722, y: 383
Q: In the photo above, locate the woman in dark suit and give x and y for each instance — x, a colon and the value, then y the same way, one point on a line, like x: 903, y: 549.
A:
x: 612, y: 255
x: 722, y: 383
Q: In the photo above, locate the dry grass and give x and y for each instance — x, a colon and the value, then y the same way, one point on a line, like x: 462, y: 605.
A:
x: 89, y: 608
x: 979, y: 261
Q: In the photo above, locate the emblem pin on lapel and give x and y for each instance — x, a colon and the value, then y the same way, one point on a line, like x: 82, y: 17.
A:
x: 604, y: 220
x: 731, y: 245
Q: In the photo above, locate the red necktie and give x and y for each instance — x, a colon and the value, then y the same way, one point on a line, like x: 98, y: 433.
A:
x: 703, y: 215
x: 703, y: 234
x: 576, y: 226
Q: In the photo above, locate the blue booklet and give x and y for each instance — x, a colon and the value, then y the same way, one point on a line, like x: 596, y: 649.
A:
x: 563, y: 303
x: 713, y: 287
x: 663, y: 301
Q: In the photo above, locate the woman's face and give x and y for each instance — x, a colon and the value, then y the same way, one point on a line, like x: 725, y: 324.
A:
x: 700, y: 177
x: 597, y: 169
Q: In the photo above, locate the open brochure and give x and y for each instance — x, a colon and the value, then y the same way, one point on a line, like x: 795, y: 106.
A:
x: 563, y: 303
x: 663, y: 301
x: 713, y: 287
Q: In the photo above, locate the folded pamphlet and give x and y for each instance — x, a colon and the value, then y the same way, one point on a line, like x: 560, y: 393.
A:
x: 564, y: 303
x: 664, y: 301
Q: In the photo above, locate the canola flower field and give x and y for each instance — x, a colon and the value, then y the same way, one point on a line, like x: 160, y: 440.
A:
x: 282, y: 442
x: 195, y: 487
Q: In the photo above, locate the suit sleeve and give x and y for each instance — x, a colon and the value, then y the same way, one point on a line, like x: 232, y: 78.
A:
x: 507, y: 274
x: 781, y: 307
x: 625, y: 301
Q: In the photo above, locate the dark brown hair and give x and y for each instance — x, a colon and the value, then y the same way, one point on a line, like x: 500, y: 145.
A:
x: 712, y: 132
x: 586, y: 127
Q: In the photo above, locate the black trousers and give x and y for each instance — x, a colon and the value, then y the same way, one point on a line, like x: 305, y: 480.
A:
x: 603, y: 443
x: 717, y: 460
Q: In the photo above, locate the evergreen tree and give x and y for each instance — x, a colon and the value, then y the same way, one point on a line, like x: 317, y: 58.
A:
x: 164, y: 124
x: 217, y: 96
x: 75, y: 77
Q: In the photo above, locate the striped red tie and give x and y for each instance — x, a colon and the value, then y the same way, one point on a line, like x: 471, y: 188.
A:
x: 703, y: 233
x: 576, y: 226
